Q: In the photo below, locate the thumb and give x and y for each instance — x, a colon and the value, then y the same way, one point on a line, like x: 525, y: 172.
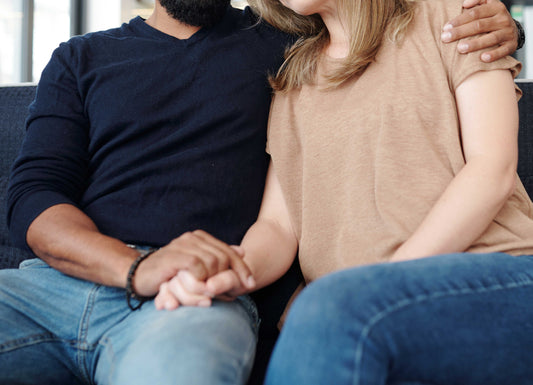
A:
x: 239, y: 250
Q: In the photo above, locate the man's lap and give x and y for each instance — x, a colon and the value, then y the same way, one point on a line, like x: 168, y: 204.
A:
x: 49, y: 316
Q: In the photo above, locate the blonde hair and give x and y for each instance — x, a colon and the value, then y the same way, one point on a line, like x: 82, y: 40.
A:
x: 368, y: 22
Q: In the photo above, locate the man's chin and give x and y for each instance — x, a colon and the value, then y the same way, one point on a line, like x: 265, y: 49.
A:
x: 197, y: 13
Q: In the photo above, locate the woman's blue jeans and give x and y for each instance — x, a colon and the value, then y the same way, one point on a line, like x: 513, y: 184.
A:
x: 57, y: 330
x: 461, y: 319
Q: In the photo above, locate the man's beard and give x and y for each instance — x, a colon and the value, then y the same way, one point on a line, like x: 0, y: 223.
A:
x: 198, y: 13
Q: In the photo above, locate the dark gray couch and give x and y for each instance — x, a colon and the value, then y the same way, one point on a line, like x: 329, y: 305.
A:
x: 14, y: 103
x: 271, y: 301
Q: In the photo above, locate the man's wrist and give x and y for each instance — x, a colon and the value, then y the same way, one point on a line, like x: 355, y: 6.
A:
x: 521, y: 34
x: 130, y: 291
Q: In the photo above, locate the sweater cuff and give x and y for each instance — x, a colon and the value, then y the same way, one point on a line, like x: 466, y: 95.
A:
x: 29, y: 207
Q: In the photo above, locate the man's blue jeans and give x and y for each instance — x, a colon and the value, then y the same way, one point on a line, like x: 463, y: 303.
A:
x: 461, y: 319
x: 56, y: 329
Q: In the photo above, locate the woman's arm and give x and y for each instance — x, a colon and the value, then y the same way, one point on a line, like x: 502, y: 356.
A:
x: 268, y: 248
x: 488, y: 116
x: 270, y: 245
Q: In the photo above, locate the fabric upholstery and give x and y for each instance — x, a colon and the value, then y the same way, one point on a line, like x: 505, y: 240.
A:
x: 525, y: 135
x: 14, y: 102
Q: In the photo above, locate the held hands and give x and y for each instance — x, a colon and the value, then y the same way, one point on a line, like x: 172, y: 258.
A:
x: 197, y: 256
x: 185, y: 289
x: 487, y: 17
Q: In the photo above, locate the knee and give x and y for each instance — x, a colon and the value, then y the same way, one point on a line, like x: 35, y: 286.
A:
x: 191, y: 345
x: 323, y: 302
x: 356, y: 294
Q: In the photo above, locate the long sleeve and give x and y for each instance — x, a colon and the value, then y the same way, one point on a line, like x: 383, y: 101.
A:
x: 52, y: 165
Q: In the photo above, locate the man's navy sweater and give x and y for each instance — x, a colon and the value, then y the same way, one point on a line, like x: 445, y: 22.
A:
x: 149, y: 135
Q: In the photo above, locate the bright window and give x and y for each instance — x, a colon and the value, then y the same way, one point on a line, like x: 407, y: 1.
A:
x: 51, y: 25
x: 11, y: 38
x: 30, y: 30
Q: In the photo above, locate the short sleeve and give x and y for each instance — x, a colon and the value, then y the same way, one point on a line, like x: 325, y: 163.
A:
x: 460, y: 66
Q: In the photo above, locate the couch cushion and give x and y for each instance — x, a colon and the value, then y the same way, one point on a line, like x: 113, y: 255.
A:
x: 4, y: 236
x: 14, y: 102
x: 10, y: 257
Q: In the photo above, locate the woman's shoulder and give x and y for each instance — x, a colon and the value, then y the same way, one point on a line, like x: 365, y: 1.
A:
x: 438, y: 7
x: 437, y: 12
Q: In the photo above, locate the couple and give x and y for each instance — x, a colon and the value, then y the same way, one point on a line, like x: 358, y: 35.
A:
x: 143, y: 169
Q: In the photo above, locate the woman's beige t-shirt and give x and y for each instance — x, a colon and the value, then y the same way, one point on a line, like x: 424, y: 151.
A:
x: 361, y: 165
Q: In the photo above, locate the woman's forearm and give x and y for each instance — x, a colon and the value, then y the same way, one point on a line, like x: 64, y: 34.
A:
x: 488, y: 115
x: 463, y: 212
x: 269, y: 251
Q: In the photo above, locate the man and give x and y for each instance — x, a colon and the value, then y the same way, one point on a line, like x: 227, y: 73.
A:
x: 139, y: 137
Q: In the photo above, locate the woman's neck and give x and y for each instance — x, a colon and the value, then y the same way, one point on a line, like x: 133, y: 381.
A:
x: 339, y: 39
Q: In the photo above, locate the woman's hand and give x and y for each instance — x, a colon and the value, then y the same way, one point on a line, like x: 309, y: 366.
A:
x: 197, y: 252
x: 489, y: 18
x: 185, y: 289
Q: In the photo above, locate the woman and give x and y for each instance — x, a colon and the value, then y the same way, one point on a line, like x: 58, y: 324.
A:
x: 388, y: 146
x: 394, y: 176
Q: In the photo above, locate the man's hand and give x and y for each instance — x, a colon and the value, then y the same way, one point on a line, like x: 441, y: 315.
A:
x: 185, y: 289
x: 197, y: 252
x: 489, y: 18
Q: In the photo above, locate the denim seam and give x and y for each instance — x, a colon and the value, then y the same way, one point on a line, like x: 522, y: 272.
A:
x: 250, y: 352
x: 249, y: 306
x: 401, y: 304
x: 83, y: 345
x: 106, y: 342
x: 32, y: 340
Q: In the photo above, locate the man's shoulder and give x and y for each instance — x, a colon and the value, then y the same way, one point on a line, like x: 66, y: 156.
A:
x: 99, y: 42
x: 117, y: 33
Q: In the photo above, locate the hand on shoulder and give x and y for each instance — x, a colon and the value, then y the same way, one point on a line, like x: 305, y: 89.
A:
x: 489, y: 19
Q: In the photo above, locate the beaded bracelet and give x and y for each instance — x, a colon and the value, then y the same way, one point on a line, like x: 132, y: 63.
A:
x: 521, y: 34
x: 130, y: 292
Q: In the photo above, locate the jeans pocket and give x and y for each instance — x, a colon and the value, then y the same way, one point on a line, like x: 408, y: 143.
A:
x: 34, y: 263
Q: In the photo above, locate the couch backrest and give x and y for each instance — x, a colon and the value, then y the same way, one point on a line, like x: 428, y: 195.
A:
x: 525, y: 135
x: 14, y: 102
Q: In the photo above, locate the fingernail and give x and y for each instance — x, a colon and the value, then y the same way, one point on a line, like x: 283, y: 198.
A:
x: 446, y: 36
x: 485, y: 57
x: 447, y: 27
x: 250, y: 281
x: 168, y: 305
x: 462, y: 47
x: 209, y: 294
x: 204, y: 303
